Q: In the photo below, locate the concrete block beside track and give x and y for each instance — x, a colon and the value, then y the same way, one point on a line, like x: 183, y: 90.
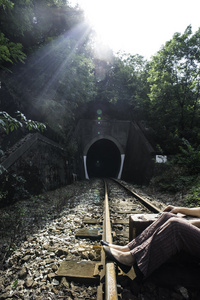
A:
x: 138, y: 222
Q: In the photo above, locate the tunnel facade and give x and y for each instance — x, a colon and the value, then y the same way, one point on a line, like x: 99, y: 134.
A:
x: 103, y: 159
x: 116, y: 149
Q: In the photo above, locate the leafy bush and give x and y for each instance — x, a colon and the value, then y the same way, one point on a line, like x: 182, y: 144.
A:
x: 9, y: 124
x: 189, y: 157
x: 173, y: 179
x: 181, y: 171
x: 12, y: 188
x: 193, y: 198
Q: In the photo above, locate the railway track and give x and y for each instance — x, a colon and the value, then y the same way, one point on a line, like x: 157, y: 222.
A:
x: 118, y: 206
x: 62, y: 258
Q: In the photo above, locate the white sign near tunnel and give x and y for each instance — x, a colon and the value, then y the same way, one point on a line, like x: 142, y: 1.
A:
x: 161, y: 159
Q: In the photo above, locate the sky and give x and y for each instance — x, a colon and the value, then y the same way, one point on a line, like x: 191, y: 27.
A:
x: 142, y: 26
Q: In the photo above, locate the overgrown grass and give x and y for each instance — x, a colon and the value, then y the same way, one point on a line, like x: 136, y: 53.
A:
x: 173, y: 179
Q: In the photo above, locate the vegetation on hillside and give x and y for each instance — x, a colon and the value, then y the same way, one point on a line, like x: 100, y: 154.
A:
x: 50, y: 71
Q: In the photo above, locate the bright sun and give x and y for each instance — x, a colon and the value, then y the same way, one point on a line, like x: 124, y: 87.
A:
x: 139, y: 26
x: 103, y: 16
x: 108, y: 18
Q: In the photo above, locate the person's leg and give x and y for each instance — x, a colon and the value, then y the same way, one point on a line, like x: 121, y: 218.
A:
x: 144, y: 235
x: 150, y: 230
x: 127, y: 256
x: 174, y: 235
x: 117, y: 247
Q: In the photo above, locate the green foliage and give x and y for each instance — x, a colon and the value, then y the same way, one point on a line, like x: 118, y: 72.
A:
x: 193, y: 198
x: 9, y: 124
x: 12, y: 188
x: 57, y: 84
x: 61, y: 75
x: 173, y: 179
x: 14, y: 284
x: 6, y: 4
x: 120, y: 82
x: 181, y: 170
x: 175, y: 89
x: 10, y: 52
x: 29, y: 23
x: 189, y: 157
x: 30, y: 124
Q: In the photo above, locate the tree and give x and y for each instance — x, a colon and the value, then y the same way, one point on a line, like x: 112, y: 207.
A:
x: 174, y: 79
x: 123, y: 84
x: 47, y: 34
x: 26, y: 24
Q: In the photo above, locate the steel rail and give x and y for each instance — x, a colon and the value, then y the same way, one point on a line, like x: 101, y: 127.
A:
x: 145, y: 202
x: 110, y: 275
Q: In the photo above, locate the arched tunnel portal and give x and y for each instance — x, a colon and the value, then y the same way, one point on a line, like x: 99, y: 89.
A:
x: 104, y: 159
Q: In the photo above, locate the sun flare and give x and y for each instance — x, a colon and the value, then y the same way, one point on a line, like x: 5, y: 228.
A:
x: 108, y: 19
x: 139, y: 27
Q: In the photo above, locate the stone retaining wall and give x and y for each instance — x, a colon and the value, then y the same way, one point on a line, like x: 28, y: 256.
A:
x: 40, y: 161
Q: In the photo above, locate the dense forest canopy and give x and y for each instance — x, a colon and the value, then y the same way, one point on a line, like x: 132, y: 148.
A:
x: 53, y: 71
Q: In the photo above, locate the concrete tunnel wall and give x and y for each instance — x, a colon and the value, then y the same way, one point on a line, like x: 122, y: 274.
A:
x: 103, y: 157
x: 139, y: 163
x: 135, y: 154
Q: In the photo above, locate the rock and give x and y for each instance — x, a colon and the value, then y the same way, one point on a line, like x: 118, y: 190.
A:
x: 55, y: 282
x: 25, y: 258
x: 64, y: 283
x: 62, y: 251
x: 9, y: 288
x: 75, y: 252
x: 55, y: 291
x: 92, y: 255
x: 29, y: 282
x: 54, y: 268
x: 84, y: 255
x: 60, y: 227
x: 22, y: 273
x: 17, y: 254
x: 56, y: 231
x: 52, y: 254
x: 6, y: 296
x: 43, y: 287
x: 184, y: 292
x: 46, y: 246
x: 49, y: 261
x: 53, y: 241
x: 51, y: 275
x: 34, y: 285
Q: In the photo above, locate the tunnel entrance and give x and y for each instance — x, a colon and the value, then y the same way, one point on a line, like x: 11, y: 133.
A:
x: 103, y: 159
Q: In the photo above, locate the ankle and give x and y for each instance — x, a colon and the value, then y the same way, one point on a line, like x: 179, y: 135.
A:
x: 119, y: 248
x: 125, y: 249
x: 129, y: 258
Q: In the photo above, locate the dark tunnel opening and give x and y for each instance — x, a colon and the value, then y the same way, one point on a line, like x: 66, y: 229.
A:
x: 103, y: 159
